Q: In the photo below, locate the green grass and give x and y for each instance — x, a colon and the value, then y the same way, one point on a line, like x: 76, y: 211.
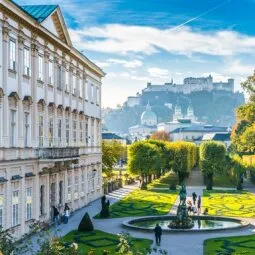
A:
x: 143, y: 203
x: 229, y: 203
x: 164, y: 181
x: 223, y: 180
x: 100, y: 241
x: 238, y: 245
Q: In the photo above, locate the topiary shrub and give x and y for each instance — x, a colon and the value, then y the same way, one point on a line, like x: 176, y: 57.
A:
x: 86, y: 224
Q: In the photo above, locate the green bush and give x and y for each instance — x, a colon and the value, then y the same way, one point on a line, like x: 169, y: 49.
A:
x: 86, y: 224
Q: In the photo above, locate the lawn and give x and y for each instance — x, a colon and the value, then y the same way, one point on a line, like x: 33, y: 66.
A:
x: 230, y: 245
x: 100, y: 241
x: 143, y: 203
x: 164, y: 181
x: 229, y: 203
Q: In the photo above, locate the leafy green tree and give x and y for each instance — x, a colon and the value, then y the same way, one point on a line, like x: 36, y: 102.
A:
x: 143, y: 159
x: 249, y: 85
x: 112, y: 152
x: 212, y: 160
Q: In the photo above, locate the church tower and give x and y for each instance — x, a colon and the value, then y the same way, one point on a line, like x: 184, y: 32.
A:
x: 177, y: 112
x: 190, y: 112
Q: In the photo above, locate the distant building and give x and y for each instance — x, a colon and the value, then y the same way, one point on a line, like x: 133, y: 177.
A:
x: 219, y: 137
x: 133, y: 101
x: 196, y: 131
x: 147, y: 127
x: 108, y: 136
x: 180, y: 120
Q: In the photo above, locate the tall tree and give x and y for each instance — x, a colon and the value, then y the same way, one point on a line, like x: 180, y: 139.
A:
x: 160, y: 135
x: 212, y: 160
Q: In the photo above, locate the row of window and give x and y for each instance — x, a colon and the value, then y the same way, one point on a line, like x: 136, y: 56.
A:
x: 16, y: 206
x: 92, y: 90
x: 79, y: 134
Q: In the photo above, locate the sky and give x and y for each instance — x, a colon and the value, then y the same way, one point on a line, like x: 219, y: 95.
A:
x: 155, y: 41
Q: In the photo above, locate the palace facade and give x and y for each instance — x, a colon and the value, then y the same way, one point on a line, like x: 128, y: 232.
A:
x: 50, y: 118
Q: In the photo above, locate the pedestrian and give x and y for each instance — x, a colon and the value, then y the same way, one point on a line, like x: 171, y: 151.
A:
x: 158, y: 233
x: 55, y: 215
x: 189, y: 206
x: 66, y: 213
x: 199, y: 205
x: 194, y: 197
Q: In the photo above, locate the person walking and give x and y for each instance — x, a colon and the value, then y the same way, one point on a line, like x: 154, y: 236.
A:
x: 55, y: 215
x: 66, y: 213
x: 199, y: 205
x: 158, y: 233
x: 194, y: 197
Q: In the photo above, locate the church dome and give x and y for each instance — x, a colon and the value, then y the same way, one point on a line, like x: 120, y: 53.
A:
x: 148, y: 117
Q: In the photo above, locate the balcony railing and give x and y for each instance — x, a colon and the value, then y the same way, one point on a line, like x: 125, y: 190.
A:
x: 56, y: 153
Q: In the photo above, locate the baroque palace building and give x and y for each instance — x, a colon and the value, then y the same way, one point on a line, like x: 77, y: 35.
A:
x: 50, y: 118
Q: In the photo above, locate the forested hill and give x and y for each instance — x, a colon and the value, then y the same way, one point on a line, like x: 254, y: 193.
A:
x: 215, y: 107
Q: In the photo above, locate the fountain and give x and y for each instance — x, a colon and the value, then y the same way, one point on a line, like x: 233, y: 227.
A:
x: 182, y: 219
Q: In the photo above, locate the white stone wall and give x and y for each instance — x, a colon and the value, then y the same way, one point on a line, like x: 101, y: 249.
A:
x: 23, y: 140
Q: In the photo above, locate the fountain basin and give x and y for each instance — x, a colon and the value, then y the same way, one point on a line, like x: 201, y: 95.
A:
x: 201, y: 223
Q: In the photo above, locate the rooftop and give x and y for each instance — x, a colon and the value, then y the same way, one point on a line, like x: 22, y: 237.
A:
x: 201, y: 128
x: 111, y: 136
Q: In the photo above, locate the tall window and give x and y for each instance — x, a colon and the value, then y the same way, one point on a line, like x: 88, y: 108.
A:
x: 61, y: 192
x: 1, y: 209
x: 13, y: 128
x: 67, y: 131
x: 59, y: 77
x: 86, y: 91
x: 40, y: 131
x: 12, y: 54
x: 81, y: 130
x: 98, y: 96
x: 59, y: 129
x: 40, y: 68
x: 51, y: 73
x: 74, y: 131
x: 92, y: 132
x: 82, y: 184
x: 15, y: 208
x: 50, y: 131
x: 28, y: 203
x: 26, y: 128
x: 67, y: 81
x: 80, y: 88
x: 26, y: 61
x: 42, y: 200
x: 86, y: 131
x: 92, y: 93
x: 69, y: 188
x: 76, y: 186
x: 74, y: 85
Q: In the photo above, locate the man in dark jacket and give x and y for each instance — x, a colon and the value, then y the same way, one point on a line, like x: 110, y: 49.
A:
x: 55, y: 215
x: 194, y: 196
x: 158, y: 233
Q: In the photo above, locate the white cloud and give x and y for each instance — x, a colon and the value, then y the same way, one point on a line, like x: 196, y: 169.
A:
x: 102, y: 64
x: 235, y: 67
x: 126, y: 63
x: 217, y: 77
x: 123, y: 39
x: 156, y: 72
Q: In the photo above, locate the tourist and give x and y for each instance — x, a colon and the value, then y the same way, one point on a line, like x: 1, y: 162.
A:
x: 194, y: 209
x: 199, y: 205
x: 158, y: 233
x: 66, y: 213
x: 206, y: 211
x: 194, y: 197
x: 55, y: 215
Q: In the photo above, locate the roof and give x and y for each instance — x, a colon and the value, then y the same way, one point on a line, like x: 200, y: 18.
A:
x: 200, y: 128
x: 111, y: 136
x: 39, y: 12
x: 217, y: 137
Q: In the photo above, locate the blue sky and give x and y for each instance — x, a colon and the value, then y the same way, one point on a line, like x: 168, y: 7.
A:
x: 136, y: 42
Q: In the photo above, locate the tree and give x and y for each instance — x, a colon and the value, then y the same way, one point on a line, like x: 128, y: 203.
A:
x: 249, y: 85
x: 212, y: 160
x: 112, y: 152
x: 160, y: 135
x: 143, y: 159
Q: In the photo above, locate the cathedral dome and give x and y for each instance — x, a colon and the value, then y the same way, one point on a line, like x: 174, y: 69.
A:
x: 148, y: 117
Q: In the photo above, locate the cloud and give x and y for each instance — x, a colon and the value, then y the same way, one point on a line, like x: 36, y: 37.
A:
x: 235, y: 67
x: 123, y: 39
x: 156, y: 72
x: 126, y: 63
x: 217, y: 77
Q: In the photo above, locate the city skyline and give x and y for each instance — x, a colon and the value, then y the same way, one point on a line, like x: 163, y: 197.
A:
x: 136, y: 43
